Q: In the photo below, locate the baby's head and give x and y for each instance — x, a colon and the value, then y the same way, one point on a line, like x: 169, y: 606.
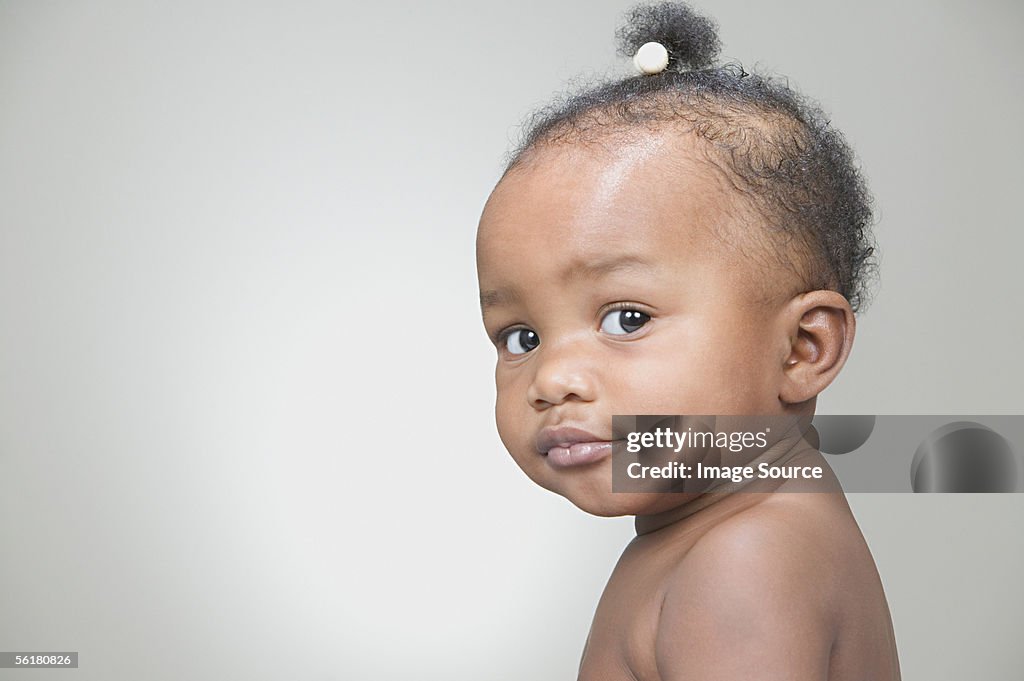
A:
x: 693, y: 241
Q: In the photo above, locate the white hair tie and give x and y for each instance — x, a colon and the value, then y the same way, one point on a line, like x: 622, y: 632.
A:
x: 651, y: 58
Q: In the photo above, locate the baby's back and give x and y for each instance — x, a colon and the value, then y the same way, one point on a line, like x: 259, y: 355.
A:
x: 769, y: 586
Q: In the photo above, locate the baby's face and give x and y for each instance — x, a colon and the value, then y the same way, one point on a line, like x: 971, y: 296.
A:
x: 606, y: 291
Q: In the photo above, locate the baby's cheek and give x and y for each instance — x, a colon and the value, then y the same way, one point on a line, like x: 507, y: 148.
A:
x: 674, y: 382
x: 657, y: 382
x: 508, y: 421
x: 501, y: 417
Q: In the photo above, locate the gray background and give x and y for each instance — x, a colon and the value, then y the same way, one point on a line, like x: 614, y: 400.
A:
x: 245, y: 396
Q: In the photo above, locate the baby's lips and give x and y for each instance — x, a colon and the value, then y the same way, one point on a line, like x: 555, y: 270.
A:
x: 564, y: 436
x: 579, y: 454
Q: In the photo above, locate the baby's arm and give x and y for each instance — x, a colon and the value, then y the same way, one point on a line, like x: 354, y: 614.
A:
x: 751, y: 600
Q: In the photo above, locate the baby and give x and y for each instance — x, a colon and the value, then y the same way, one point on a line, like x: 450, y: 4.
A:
x: 691, y: 240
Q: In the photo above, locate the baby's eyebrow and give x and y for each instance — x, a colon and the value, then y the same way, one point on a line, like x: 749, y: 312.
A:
x: 579, y: 269
x: 494, y: 297
x: 584, y: 269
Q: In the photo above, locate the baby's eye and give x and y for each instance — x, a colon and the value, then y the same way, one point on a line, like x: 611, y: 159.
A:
x: 621, y: 322
x: 521, y: 341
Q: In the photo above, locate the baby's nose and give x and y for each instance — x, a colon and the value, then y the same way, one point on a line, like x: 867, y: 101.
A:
x: 562, y: 373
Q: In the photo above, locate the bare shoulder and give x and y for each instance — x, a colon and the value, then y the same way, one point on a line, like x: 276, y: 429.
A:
x: 757, y: 596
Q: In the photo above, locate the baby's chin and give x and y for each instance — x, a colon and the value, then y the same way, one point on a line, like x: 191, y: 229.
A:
x: 616, y: 504
x: 589, y: 488
x: 594, y: 495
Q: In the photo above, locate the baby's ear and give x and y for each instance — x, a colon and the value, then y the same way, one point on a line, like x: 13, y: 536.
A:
x: 821, y: 326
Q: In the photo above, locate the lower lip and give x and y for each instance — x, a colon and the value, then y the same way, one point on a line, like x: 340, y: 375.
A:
x: 579, y: 454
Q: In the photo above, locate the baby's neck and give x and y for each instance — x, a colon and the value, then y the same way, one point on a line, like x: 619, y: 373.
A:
x: 729, y: 498
x: 705, y: 508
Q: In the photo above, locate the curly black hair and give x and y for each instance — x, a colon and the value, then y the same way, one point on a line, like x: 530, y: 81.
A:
x: 776, y: 146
